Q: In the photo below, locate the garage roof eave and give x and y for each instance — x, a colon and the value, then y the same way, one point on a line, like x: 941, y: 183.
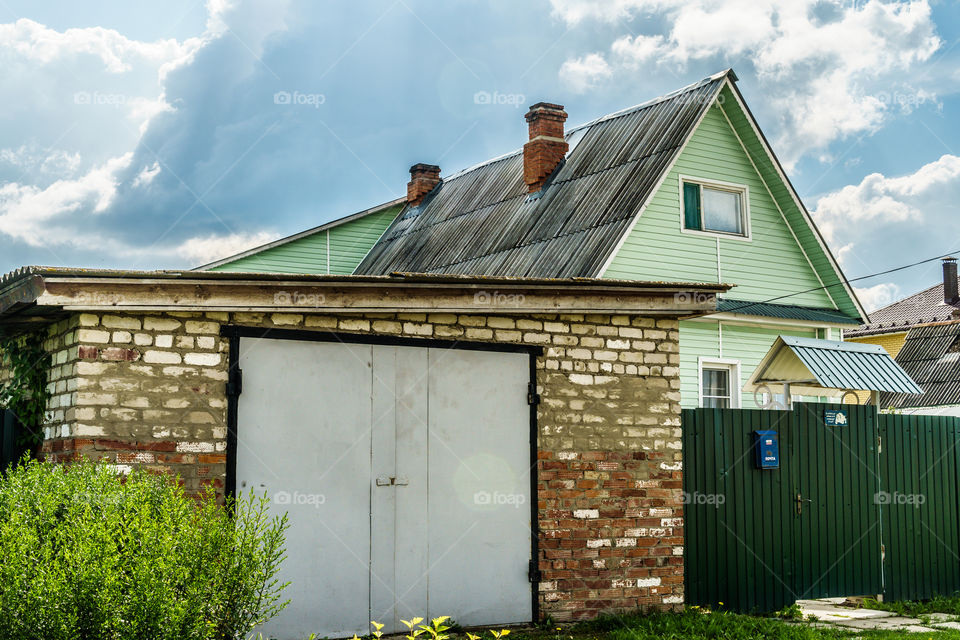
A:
x: 52, y: 290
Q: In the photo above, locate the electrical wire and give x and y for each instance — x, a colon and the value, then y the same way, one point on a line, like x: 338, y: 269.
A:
x: 939, y: 256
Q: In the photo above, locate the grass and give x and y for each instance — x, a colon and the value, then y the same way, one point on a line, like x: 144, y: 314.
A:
x: 701, y: 625
x: 938, y: 604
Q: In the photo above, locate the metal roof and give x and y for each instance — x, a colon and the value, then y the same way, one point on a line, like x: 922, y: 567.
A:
x: 920, y: 308
x: 786, y: 311
x: 931, y: 355
x: 483, y: 221
x: 811, y: 365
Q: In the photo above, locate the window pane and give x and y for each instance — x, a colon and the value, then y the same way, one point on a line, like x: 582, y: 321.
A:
x: 716, y: 382
x: 691, y: 206
x: 716, y: 403
x: 721, y: 211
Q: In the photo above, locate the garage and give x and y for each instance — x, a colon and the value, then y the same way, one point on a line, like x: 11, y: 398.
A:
x: 493, y: 449
x: 405, y: 472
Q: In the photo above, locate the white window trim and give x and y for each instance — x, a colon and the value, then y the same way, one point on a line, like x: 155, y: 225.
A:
x: 736, y: 386
x: 744, y: 191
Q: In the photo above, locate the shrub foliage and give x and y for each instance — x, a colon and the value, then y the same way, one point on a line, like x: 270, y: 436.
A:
x: 87, y: 554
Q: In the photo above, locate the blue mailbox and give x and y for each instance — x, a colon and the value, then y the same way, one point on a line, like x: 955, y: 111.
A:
x: 767, y: 449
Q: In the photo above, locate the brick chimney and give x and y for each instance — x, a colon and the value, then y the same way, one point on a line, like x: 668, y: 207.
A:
x: 546, y: 148
x: 950, y: 295
x: 423, y: 178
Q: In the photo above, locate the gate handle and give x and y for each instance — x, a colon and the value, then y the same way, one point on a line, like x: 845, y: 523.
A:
x: 800, y: 501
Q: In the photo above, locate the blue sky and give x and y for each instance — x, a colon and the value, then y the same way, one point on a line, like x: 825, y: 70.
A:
x: 157, y: 134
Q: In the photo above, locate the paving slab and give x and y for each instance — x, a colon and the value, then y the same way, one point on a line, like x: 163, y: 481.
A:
x: 941, y: 617
x: 955, y: 626
x: 828, y: 610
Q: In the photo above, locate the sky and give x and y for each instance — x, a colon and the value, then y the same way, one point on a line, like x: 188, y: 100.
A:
x: 164, y: 135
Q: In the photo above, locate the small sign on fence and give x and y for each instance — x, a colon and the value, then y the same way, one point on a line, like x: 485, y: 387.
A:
x: 835, y: 417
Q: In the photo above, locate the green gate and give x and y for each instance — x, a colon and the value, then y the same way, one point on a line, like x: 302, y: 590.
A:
x: 921, y: 519
x: 761, y: 539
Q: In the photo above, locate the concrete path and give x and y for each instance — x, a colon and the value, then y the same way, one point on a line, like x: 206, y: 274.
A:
x: 830, y: 611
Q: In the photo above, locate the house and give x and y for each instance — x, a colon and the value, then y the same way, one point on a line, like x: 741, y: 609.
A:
x: 890, y: 325
x: 930, y: 354
x: 683, y: 187
x: 437, y: 450
x: 921, y: 332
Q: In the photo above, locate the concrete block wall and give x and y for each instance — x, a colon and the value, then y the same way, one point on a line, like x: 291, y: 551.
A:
x: 149, y: 390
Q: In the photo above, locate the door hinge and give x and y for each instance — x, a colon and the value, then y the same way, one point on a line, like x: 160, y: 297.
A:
x: 235, y: 382
x: 532, y: 396
x: 533, y: 571
x: 879, y: 444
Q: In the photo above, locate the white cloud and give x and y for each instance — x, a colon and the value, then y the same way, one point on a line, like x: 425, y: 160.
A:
x: 34, y: 41
x: 202, y: 250
x: 26, y: 211
x: 877, y: 296
x: 146, y: 175
x: 829, y: 70
x: 879, y: 200
x: 584, y: 73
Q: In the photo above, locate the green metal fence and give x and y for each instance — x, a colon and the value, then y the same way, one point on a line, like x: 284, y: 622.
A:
x: 921, y: 506
x: 818, y: 526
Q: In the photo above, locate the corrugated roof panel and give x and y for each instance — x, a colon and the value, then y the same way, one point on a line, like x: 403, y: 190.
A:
x: 930, y: 356
x: 792, y: 312
x: 482, y: 222
x: 849, y: 365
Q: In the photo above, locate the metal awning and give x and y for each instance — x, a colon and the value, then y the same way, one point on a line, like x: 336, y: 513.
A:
x: 827, y: 367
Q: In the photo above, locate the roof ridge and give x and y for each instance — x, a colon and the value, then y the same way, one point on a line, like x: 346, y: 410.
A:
x: 609, y: 116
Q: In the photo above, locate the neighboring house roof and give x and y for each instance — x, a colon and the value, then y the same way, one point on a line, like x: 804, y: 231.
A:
x: 931, y: 355
x: 483, y: 220
x: 812, y: 365
x: 302, y: 235
x: 921, y: 308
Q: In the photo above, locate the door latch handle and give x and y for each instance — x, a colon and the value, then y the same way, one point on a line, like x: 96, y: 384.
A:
x: 800, y: 501
x: 389, y: 481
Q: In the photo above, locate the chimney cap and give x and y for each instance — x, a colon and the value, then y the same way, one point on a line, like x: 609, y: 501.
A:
x: 949, y: 259
x: 546, y: 105
x: 424, y: 168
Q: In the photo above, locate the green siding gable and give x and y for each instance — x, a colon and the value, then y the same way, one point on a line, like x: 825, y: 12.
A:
x: 768, y: 265
x: 806, y: 235
x: 348, y: 242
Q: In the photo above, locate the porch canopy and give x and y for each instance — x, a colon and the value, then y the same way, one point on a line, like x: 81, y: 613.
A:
x: 809, y: 366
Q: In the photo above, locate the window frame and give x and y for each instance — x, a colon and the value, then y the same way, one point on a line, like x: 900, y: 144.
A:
x: 732, y: 365
x: 741, y: 189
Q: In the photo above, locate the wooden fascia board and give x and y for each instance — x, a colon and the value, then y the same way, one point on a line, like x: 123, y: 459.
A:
x: 126, y: 295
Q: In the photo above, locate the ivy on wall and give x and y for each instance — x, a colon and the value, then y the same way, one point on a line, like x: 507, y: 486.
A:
x: 25, y: 393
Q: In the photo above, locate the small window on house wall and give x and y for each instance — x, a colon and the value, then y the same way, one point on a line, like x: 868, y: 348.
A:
x: 714, y: 208
x: 720, y: 384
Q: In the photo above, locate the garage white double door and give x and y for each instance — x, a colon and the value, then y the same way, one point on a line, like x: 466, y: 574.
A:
x: 405, y: 472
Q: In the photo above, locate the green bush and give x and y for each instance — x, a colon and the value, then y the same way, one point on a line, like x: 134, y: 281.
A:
x: 88, y: 554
